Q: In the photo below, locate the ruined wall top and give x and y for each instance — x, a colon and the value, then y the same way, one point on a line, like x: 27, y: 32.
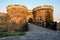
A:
x: 29, y: 10
x: 48, y: 6
x: 16, y: 6
x: 43, y: 7
x: 3, y: 14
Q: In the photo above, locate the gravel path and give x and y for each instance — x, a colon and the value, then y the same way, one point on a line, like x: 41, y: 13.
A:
x: 37, y: 33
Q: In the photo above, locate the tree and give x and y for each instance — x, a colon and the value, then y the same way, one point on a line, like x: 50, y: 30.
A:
x: 55, y: 25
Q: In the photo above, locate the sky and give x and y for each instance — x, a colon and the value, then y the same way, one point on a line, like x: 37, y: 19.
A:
x: 32, y: 4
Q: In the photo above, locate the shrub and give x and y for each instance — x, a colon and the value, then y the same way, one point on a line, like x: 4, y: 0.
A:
x: 4, y: 34
x: 22, y: 26
x: 3, y: 29
x: 52, y: 25
x: 13, y: 27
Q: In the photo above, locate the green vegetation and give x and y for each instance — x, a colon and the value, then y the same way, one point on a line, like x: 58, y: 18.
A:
x: 58, y: 29
x: 49, y: 22
x: 14, y: 30
x: 5, y: 34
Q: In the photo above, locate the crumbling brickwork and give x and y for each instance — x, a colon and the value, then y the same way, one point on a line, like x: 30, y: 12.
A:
x: 40, y: 12
x: 17, y: 12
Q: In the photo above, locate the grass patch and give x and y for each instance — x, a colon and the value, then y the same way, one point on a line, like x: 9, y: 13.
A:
x: 6, y: 34
x: 58, y: 29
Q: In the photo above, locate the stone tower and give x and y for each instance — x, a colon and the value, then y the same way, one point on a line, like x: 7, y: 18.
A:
x: 40, y: 12
x: 17, y: 12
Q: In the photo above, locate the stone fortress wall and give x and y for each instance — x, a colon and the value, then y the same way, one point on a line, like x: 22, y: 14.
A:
x: 40, y: 12
x: 29, y: 14
x: 18, y: 13
x: 4, y: 20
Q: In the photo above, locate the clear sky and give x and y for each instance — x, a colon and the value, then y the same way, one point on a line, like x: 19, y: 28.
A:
x: 32, y: 4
